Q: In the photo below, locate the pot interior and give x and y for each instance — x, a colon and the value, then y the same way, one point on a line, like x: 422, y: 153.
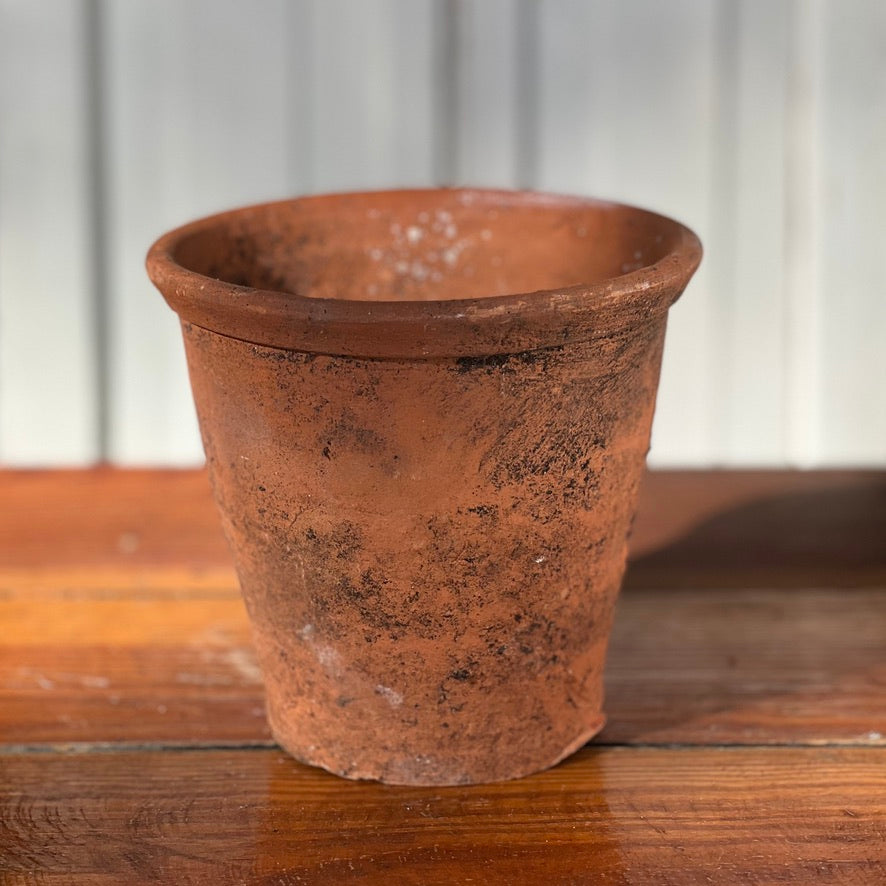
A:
x: 425, y: 245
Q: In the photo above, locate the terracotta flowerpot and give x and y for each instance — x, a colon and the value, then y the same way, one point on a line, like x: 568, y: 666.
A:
x: 426, y: 416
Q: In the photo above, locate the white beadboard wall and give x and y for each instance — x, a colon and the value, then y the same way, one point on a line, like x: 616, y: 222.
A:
x: 761, y: 123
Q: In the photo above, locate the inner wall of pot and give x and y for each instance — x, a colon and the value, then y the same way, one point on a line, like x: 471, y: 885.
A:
x: 423, y: 246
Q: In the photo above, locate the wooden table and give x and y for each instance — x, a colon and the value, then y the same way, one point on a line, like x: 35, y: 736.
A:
x: 746, y: 740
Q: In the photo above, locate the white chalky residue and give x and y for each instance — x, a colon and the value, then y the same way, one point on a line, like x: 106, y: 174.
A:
x: 486, y: 234
x: 202, y: 679
x: 402, y: 266
x: 376, y: 254
x: 325, y: 654
x: 451, y: 231
x: 394, y: 698
x: 90, y: 681
x: 874, y: 736
x: 414, y: 233
x: 128, y: 542
x: 540, y: 558
x: 638, y: 254
x: 243, y: 662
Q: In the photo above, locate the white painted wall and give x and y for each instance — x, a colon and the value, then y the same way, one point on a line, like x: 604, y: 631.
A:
x: 761, y: 123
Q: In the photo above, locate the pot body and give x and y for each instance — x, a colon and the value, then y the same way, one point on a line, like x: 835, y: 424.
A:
x: 430, y: 551
x: 427, y: 484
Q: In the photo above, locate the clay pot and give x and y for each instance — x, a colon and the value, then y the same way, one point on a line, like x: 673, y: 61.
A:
x: 426, y: 416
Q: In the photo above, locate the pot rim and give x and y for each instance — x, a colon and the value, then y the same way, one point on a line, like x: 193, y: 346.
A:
x: 410, y: 329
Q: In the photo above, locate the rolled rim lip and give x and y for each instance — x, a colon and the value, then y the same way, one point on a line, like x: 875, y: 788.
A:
x: 484, y: 325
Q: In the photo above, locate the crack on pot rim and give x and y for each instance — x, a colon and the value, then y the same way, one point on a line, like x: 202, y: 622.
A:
x: 425, y: 329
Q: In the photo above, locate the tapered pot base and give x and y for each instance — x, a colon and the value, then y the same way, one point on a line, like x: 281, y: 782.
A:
x: 486, y: 767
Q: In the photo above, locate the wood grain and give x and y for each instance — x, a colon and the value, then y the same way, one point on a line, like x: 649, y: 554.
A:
x: 760, y: 529
x: 134, y: 666
x: 696, y: 528
x: 748, y: 667
x: 608, y: 815
x: 746, y: 740
x: 145, y: 640
x: 687, y: 667
x: 104, y: 518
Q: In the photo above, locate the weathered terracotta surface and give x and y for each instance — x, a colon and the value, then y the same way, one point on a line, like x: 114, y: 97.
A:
x: 427, y: 482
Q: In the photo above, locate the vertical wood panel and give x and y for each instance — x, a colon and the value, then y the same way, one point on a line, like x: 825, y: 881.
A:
x: 853, y: 227
x: 762, y: 125
x: 628, y: 93
x: 196, y: 122
x: 488, y: 101
x: 372, y: 93
x: 49, y: 409
x: 802, y: 291
x: 747, y: 247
